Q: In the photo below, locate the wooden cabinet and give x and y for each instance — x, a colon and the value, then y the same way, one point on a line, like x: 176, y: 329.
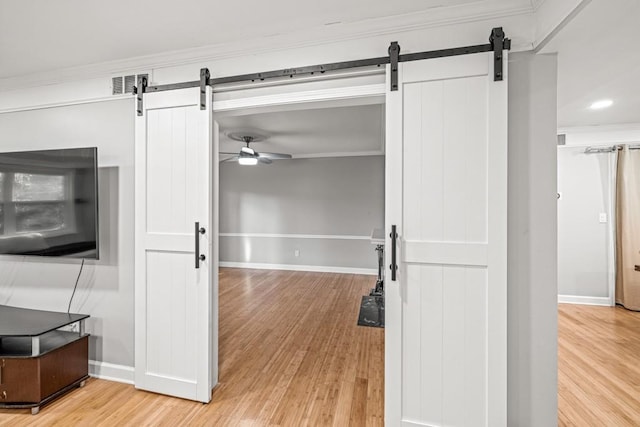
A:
x: 39, y: 360
x: 33, y: 379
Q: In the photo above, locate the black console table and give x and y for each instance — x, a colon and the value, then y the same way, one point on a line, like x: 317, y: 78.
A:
x: 43, y: 354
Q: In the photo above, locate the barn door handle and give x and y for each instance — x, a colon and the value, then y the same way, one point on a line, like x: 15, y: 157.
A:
x: 199, y: 231
x: 394, y: 264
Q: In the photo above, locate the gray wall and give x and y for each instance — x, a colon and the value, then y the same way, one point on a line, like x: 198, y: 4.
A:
x: 339, y: 196
x: 532, y: 241
x: 585, y: 185
x: 105, y: 289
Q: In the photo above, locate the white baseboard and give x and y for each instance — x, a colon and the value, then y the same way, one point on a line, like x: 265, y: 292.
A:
x: 111, y: 372
x: 294, y: 267
x: 575, y: 299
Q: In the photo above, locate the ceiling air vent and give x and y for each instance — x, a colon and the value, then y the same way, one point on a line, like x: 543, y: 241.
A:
x: 129, y: 83
x: 116, y: 85
x: 124, y: 84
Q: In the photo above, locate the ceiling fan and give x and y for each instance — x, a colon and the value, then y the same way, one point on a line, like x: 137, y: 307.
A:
x: 249, y: 156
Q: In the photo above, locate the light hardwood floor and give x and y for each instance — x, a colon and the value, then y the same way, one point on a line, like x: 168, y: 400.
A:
x: 291, y: 354
x: 598, y: 366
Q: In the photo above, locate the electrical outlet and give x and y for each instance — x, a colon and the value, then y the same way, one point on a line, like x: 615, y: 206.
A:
x: 603, y: 218
x: 296, y: 252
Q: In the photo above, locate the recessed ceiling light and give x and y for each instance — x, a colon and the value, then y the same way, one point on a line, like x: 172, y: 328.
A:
x: 599, y: 105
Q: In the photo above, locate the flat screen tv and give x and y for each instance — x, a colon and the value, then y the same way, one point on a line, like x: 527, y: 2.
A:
x: 49, y: 203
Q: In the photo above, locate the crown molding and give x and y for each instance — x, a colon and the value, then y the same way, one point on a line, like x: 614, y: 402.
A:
x: 66, y: 103
x: 339, y: 154
x: 550, y: 20
x: 536, y: 4
x: 584, y: 136
x: 600, y: 128
x: 342, y: 32
x: 307, y: 156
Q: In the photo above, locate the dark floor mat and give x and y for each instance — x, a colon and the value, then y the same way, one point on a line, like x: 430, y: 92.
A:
x: 371, y: 312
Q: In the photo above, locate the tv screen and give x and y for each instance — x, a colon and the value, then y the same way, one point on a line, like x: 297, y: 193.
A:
x: 49, y: 203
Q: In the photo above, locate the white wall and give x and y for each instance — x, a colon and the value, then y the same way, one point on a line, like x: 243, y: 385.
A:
x: 94, y: 82
x: 586, y: 182
x: 308, y: 204
x: 105, y: 289
x: 532, y: 190
x: 585, y: 251
x: 532, y: 241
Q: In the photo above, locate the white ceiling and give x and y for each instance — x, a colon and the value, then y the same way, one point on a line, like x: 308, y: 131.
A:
x: 43, y: 35
x: 599, y: 58
x: 311, y: 132
x: 599, y: 53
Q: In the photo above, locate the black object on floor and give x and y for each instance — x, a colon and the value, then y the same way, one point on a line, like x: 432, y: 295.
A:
x: 372, y: 311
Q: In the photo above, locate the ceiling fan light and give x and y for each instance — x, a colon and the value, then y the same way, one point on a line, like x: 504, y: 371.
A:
x: 248, y: 161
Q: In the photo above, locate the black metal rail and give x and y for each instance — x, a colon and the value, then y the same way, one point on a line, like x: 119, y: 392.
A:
x: 497, y: 43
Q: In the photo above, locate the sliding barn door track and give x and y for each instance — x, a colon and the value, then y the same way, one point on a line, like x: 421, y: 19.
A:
x: 497, y: 43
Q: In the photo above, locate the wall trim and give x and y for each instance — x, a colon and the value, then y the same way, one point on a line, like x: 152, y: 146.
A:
x: 536, y: 4
x: 297, y: 236
x: 111, y: 372
x: 292, y: 267
x: 576, y: 299
x: 586, y: 136
x: 331, y: 155
x: 66, y: 103
x: 422, y: 20
x: 600, y: 128
x: 540, y: 42
x: 302, y: 97
x: 345, y: 154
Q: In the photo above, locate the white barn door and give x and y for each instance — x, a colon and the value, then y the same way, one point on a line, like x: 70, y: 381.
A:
x: 176, y: 291
x: 446, y: 191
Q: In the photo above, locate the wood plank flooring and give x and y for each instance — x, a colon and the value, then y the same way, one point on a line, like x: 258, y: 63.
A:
x: 291, y: 354
x: 598, y: 366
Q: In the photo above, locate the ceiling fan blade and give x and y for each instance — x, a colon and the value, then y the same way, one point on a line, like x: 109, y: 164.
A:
x: 230, y: 159
x: 265, y: 160
x: 235, y: 153
x: 275, y: 156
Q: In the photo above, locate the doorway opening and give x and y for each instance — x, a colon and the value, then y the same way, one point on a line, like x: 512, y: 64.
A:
x: 298, y: 240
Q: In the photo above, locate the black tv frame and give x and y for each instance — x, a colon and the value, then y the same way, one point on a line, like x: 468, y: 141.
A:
x: 69, y: 250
